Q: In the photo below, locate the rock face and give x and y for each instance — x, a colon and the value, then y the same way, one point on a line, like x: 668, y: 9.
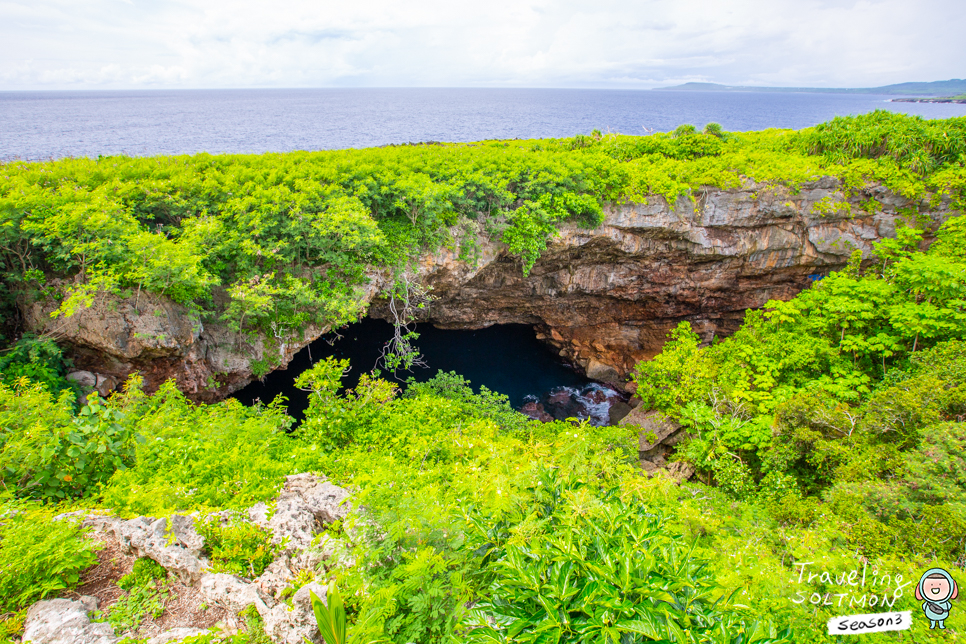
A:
x: 173, y: 542
x: 604, y: 297
x: 115, y: 337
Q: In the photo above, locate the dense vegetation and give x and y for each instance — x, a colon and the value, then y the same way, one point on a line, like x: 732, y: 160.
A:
x: 272, y: 242
x: 828, y: 431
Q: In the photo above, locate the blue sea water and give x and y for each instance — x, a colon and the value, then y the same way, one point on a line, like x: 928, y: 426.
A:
x: 42, y: 125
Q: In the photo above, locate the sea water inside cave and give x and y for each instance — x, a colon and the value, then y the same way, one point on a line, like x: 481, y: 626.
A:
x: 507, y: 359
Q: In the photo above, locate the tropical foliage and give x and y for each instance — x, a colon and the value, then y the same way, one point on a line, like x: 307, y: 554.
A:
x: 828, y: 431
x: 272, y: 242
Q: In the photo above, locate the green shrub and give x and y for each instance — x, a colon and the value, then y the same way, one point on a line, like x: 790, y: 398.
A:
x: 60, y: 456
x: 144, y: 571
x: 40, y: 361
x: 576, y: 566
x: 684, y: 130
x: 714, y: 129
x: 193, y: 457
x: 39, y: 557
x: 146, y: 596
x: 236, y: 546
x: 484, y: 405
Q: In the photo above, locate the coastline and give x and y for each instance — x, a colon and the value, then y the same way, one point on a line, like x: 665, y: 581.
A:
x: 929, y: 100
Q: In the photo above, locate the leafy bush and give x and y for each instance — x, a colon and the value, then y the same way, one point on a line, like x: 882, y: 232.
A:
x: 144, y: 571
x: 40, y: 361
x: 236, y: 546
x: 199, y: 457
x: 571, y: 565
x: 39, y: 557
x: 58, y: 456
x: 146, y: 596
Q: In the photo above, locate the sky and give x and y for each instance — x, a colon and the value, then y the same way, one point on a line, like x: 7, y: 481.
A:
x: 146, y: 44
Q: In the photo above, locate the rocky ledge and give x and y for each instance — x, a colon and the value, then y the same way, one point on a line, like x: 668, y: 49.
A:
x: 307, y: 503
x: 603, y: 297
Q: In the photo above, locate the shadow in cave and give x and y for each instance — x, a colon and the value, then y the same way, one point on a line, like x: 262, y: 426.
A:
x: 504, y: 358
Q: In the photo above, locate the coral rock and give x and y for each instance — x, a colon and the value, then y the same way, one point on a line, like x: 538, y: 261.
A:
x: 63, y: 621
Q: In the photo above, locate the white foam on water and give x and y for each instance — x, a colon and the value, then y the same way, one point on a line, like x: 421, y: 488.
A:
x: 599, y: 413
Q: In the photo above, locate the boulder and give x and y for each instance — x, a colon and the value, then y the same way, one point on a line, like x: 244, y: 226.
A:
x: 680, y: 471
x: 658, y: 435
x: 231, y: 592
x: 172, y: 543
x: 85, y: 379
x: 603, y: 372
x: 295, y: 624
x: 306, y: 503
x: 64, y: 621
x: 618, y: 411
x: 88, y: 381
x: 106, y: 384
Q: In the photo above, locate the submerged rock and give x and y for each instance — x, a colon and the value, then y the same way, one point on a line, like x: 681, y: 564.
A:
x: 535, y: 410
x: 593, y: 403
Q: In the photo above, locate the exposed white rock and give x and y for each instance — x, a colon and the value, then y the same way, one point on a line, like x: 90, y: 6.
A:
x: 277, y: 577
x: 294, y: 625
x: 64, y: 621
x: 172, y: 543
x: 306, y: 503
x: 231, y: 592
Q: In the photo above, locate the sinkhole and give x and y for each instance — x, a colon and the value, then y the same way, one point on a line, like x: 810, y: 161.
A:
x: 506, y: 358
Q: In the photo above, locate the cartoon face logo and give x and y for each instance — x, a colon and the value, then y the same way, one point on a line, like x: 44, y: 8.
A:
x: 936, y: 590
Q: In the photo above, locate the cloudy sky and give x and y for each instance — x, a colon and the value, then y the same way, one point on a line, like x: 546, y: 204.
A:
x: 100, y: 44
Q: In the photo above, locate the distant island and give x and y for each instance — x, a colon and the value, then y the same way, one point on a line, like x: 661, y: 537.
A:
x: 943, y: 99
x: 953, y: 90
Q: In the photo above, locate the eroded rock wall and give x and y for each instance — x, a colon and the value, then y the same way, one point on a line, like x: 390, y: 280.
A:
x: 604, y: 297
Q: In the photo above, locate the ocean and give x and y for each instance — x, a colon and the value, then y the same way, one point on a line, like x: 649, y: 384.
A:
x: 44, y: 125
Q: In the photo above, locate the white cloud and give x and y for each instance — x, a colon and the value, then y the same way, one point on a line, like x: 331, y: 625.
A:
x: 559, y: 43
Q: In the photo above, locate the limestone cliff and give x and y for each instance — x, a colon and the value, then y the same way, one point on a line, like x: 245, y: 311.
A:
x: 604, y: 297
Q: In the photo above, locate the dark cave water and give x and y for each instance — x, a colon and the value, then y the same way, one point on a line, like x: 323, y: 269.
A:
x: 505, y: 358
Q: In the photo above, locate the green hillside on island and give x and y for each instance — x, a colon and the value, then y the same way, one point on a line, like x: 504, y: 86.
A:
x: 933, y: 88
x: 825, y: 436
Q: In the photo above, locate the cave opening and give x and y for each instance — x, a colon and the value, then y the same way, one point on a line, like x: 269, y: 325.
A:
x: 506, y: 358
